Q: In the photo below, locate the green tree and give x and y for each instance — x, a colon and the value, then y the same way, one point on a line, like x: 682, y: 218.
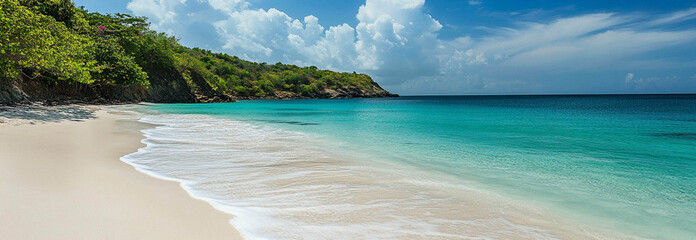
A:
x: 35, y: 44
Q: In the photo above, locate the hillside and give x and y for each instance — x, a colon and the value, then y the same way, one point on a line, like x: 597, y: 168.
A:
x: 51, y: 50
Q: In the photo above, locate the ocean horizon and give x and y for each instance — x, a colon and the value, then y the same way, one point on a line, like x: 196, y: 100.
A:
x: 443, y: 167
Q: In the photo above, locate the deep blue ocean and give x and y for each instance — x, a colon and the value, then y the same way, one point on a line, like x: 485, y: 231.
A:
x: 613, y: 166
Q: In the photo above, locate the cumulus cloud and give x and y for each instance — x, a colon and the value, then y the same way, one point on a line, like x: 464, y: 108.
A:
x: 397, y: 42
x: 474, y: 2
x: 395, y: 37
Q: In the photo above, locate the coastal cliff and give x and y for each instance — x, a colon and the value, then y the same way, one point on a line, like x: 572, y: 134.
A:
x: 53, y: 51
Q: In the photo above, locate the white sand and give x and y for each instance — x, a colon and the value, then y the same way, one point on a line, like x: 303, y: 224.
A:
x: 62, y: 179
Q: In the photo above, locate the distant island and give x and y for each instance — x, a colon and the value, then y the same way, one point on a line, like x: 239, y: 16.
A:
x: 54, y: 51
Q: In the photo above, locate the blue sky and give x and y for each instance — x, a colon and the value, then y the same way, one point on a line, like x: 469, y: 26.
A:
x: 450, y: 47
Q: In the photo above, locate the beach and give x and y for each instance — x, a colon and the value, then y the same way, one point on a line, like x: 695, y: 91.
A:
x: 479, y: 167
x: 452, y: 167
x: 61, y: 178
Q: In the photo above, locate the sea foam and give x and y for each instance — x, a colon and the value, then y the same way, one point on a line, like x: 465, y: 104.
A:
x: 281, y: 184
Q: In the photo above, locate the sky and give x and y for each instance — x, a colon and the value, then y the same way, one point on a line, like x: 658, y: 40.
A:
x: 439, y: 47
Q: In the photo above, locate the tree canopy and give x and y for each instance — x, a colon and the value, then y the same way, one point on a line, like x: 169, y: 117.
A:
x: 52, y: 40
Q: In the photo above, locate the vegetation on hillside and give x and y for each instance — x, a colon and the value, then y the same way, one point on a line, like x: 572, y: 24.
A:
x: 54, y: 41
x: 234, y: 76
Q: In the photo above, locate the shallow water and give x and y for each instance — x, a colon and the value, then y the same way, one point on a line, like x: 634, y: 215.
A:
x: 436, y: 167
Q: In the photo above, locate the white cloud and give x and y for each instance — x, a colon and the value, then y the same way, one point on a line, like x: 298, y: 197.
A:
x: 629, y: 78
x: 159, y: 11
x: 474, y: 2
x: 228, y: 6
x: 397, y: 43
x: 552, y: 55
x: 393, y: 37
x: 595, y: 51
x: 461, y: 60
x: 273, y: 36
x: 256, y: 34
x: 665, y: 83
x: 508, y: 41
x: 675, y: 17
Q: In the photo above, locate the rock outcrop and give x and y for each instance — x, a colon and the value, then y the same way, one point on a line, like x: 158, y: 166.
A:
x: 164, y: 88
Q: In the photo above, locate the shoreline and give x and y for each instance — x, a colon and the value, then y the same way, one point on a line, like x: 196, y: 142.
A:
x: 63, y: 179
x: 275, y: 177
x: 252, y: 174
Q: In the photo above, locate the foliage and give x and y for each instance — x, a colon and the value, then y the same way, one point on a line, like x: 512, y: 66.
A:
x: 117, y: 66
x: 36, y: 45
x: 60, y: 10
x: 118, y: 38
x: 244, y: 78
x: 54, y: 40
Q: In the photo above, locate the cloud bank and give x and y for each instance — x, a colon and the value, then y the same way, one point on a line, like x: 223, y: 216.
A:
x: 397, y: 42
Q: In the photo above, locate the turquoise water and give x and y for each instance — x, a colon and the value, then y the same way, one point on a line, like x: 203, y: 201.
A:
x: 624, y: 163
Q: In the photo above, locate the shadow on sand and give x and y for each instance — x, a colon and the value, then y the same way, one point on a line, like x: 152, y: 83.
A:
x: 39, y: 113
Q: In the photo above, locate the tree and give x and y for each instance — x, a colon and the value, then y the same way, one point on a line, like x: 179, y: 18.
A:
x: 36, y: 45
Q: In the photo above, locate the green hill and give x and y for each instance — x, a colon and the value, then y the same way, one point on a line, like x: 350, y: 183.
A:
x: 52, y: 50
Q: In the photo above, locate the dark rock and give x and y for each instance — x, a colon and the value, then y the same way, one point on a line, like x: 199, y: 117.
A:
x: 165, y: 87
